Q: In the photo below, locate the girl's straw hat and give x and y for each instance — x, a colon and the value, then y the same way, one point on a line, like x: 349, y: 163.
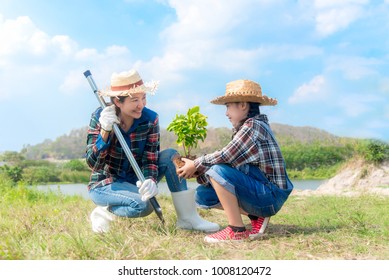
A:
x: 244, y: 91
x: 127, y: 83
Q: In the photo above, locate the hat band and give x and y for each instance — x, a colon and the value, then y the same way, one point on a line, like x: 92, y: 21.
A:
x: 126, y: 87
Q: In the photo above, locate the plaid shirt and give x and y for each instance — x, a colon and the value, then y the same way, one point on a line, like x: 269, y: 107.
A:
x: 108, y: 161
x: 254, y: 144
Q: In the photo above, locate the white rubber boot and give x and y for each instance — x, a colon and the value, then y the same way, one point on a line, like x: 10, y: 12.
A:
x: 187, y: 216
x: 101, y: 218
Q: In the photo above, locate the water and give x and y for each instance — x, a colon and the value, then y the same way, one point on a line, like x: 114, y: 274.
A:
x: 81, y: 189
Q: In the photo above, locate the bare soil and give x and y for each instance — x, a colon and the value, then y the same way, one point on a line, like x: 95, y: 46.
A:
x: 178, y: 162
x: 356, y: 178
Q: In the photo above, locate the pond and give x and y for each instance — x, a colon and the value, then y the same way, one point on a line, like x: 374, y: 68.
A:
x: 81, y: 189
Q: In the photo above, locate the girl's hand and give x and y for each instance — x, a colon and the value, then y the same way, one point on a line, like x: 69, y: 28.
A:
x: 187, y: 170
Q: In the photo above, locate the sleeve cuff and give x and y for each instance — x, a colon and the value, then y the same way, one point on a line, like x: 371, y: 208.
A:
x: 101, y: 145
x: 198, y: 163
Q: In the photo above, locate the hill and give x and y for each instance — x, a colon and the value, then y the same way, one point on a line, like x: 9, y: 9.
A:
x: 72, y: 145
x: 358, y: 177
x: 287, y: 134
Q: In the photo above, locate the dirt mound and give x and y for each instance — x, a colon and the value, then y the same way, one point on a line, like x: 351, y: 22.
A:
x: 356, y: 178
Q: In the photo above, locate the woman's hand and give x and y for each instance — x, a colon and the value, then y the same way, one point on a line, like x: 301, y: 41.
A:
x: 108, y: 118
x: 187, y: 170
x: 147, y: 189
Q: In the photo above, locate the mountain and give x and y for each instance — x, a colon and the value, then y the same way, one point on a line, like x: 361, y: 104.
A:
x: 72, y: 145
x: 287, y: 134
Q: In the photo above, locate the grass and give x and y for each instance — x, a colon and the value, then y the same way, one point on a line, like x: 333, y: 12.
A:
x: 37, y: 225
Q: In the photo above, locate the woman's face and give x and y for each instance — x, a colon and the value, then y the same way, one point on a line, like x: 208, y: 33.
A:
x: 132, y: 106
x: 236, y: 112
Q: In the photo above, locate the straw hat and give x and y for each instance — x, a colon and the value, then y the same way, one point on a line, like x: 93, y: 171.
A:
x: 127, y: 83
x: 244, y: 91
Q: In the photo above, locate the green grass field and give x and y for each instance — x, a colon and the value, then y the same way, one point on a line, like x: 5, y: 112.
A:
x: 41, y: 226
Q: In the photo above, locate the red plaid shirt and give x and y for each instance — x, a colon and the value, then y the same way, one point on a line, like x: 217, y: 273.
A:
x: 254, y: 144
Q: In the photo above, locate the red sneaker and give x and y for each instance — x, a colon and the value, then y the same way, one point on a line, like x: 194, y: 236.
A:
x: 258, y: 227
x: 227, y: 235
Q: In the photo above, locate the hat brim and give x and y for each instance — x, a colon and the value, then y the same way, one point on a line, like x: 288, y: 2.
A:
x: 263, y: 100
x: 150, y: 87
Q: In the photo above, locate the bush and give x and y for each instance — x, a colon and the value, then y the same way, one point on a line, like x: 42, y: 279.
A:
x: 13, y: 172
x: 314, y: 156
x: 40, y: 174
x: 76, y: 165
x: 5, y: 181
x: 374, y: 151
x: 75, y: 176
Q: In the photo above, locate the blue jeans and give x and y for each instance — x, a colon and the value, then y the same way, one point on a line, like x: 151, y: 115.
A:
x: 123, y: 198
x: 255, y: 193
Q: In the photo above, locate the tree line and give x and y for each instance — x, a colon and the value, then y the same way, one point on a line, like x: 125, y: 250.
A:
x: 314, y: 154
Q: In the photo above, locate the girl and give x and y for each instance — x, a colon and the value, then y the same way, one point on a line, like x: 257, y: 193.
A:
x: 248, y: 176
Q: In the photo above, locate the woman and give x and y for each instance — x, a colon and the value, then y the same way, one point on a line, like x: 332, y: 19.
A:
x: 113, y: 185
x: 248, y: 176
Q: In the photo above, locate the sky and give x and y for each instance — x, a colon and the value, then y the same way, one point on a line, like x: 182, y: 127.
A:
x: 325, y: 61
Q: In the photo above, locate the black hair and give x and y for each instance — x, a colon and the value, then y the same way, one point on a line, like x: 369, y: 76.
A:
x: 253, y: 111
x: 121, y: 100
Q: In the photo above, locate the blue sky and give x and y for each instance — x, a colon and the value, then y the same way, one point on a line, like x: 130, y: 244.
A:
x: 326, y: 61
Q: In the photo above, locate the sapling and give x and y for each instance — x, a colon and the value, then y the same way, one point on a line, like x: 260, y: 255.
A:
x: 189, y: 129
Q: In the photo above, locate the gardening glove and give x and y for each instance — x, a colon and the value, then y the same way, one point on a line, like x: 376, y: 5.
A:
x: 108, y: 118
x: 147, y: 189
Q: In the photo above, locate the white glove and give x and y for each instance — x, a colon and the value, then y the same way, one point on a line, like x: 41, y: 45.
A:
x: 108, y: 118
x: 148, y: 189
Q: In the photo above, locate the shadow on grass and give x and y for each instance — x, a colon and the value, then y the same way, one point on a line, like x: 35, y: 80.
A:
x: 277, y: 230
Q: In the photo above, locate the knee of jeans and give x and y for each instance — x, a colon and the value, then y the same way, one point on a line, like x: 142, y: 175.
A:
x: 206, y: 197
x: 217, y: 168
x: 146, y: 210
x: 170, y: 153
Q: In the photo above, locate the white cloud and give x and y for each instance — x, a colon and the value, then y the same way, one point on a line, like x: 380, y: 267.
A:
x: 312, y: 91
x: 203, y: 37
x: 353, y: 68
x: 26, y: 49
x: 73, y: 81
x: 355, y: 105
x: 197, y: 36
x: 65, y: 44
x: 332, y: 16
x: 320, y: 4
x: 112, y: 59
x: 86, y: 54
x: 20, y: 35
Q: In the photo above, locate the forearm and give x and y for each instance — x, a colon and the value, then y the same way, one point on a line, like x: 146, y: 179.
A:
x: 97, y: 146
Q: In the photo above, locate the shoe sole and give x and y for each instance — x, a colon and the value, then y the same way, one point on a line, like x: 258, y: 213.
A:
x: 214, y: 241
x: 189, y: 226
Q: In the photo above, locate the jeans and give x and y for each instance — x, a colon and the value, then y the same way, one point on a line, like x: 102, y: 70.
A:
x: 255, y: 193
x: 123, y: 199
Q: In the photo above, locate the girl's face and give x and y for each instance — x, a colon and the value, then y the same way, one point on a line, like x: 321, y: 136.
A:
x: 132, y: 106
x: 236, y: 112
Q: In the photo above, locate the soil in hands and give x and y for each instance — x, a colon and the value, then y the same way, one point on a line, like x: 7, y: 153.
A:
x: 178, y: 162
